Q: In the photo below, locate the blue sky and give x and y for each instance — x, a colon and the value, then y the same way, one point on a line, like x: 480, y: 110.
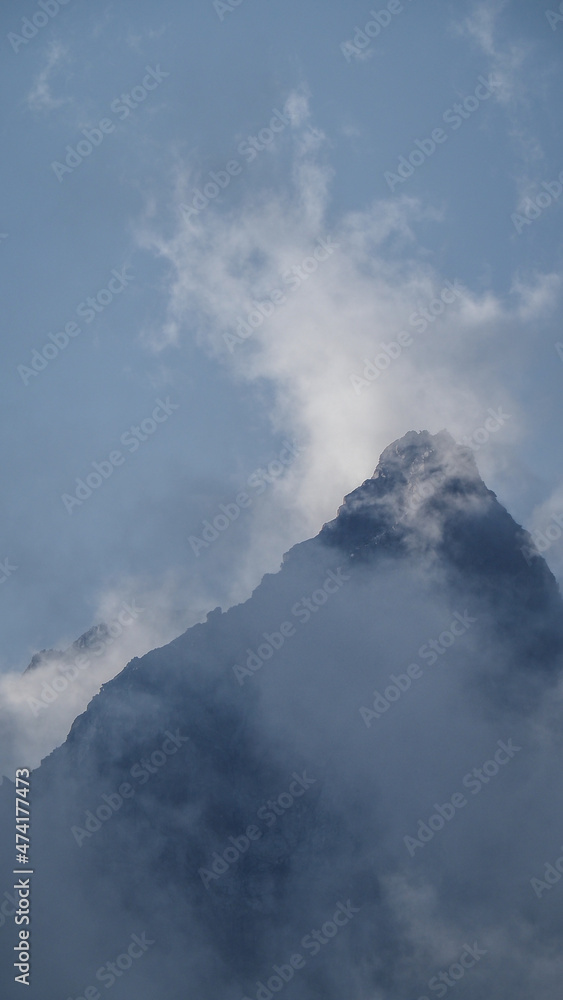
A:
x: 205, y: 81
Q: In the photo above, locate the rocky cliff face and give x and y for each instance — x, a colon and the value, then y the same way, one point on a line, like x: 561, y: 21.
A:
x: 333, y: 789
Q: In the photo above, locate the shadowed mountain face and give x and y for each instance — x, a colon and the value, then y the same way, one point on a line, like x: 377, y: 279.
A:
x: 344, y: 787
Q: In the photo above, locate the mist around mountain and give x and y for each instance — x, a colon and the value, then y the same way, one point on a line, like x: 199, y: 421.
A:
x: 348, y: 786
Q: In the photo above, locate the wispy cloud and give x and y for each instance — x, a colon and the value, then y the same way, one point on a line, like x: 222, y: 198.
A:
x: 509, y: 60
x: 506, y: 59
x: 360, y: 297
x: 137, y: 40
x: 39, y: 706
x: 41, y: 97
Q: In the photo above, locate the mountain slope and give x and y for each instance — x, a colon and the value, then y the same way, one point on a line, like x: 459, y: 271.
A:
x: 270, y: 769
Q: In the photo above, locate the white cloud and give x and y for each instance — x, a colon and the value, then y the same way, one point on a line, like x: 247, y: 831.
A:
x: 37, y: 708
x: 297, y: 107
x: 456, y: 369
x: 361, y: 296
x: 506, y: 60
x: 40, y: 97
x: 136, y: 40
x: 538, y: 294
x: 515, y: 85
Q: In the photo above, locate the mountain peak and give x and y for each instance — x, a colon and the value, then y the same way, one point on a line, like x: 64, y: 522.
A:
x: 416, y: 470
x: 418, y: 452
x: 180, y: 801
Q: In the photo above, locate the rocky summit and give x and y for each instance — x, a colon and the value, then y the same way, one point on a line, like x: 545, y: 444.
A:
x: 347, y: 786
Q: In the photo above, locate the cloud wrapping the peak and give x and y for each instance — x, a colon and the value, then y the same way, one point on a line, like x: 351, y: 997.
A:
x: 276, y: 288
